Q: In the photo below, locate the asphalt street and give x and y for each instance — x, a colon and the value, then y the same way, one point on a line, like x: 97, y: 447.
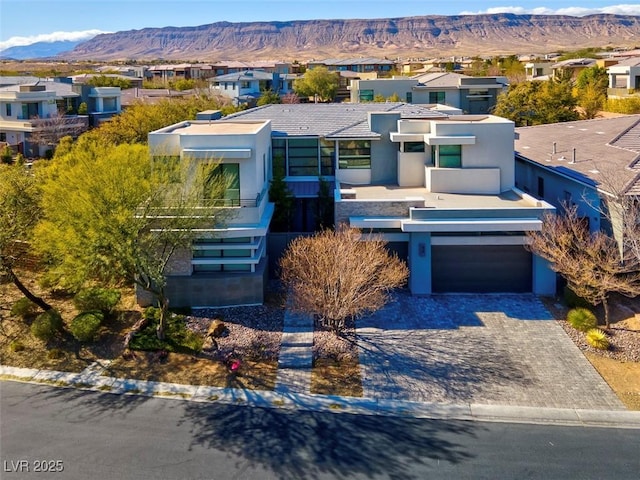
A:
x: 74, y: 434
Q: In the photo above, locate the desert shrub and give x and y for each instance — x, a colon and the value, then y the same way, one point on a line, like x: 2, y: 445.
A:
x: 572, y: 300
x: 597, y: 339
x: 23, y: 308
x: 46, y: 325
x: 96, y: 298
x: 623, y: 105
x: 177, y: 337
x: 84, y: 327
x: 55, y: 354
x: 16, y: 346
x: 582, y: 319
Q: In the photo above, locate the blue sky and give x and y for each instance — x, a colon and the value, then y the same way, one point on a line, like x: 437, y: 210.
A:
x: 23, y: 22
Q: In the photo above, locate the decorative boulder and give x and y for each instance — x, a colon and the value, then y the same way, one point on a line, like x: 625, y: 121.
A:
x: 217, y: 329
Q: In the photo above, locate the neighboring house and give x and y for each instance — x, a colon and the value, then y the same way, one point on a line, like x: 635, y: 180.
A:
x: 247, y: 87
x: 624, y: 78
x: 586, y: 164
x: 359, y: 65
x: 102, y: 102
x: 227, y: 264
x: 131, y: 96
x: 30, y: 108
x: 537, y: 70
x: 187, y: 71
x: 571, y: 68
x: 440, y: 188
x: 474, y: 95
x: 271, y: 66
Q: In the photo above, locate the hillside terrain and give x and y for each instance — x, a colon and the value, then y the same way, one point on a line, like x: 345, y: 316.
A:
x: 425, y: 36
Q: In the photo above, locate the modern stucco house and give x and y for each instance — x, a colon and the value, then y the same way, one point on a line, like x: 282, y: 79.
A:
x: 473, y: 95
x: 589, y: 164
x: 440, y: 188
x: 227, y: 264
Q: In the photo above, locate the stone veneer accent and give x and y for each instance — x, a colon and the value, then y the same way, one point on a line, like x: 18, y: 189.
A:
x: 360, y: 208
x: 180, y: 262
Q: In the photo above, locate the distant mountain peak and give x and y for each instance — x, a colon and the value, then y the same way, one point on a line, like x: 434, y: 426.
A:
x: 420, y: 36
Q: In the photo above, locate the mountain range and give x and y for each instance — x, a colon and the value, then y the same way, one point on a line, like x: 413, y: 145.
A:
x: 423, y: 36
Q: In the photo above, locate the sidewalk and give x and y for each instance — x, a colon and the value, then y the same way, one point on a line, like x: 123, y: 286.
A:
x: 89, y: 379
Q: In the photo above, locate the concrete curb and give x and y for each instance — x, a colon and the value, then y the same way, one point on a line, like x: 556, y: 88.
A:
x: 326, y: 403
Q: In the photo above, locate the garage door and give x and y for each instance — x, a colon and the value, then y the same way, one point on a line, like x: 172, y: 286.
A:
x: 480, y: 268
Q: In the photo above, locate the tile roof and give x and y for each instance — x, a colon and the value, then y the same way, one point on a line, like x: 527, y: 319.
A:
x: 607, y: 150
x: 330, y: 120
x: 440, y: 79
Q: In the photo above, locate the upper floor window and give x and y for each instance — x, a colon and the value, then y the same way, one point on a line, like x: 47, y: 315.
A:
x: 366, y: 95
x: 447, y: 156
x: 413, y: 147
x: 354, y: 154
x: 8, y: 109
x: 409, y: 97
x: 436, y: 97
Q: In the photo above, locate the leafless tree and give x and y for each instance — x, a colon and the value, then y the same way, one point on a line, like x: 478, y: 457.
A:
x: 336, y: 275
x: 592, y: 264
x: 49, y: 131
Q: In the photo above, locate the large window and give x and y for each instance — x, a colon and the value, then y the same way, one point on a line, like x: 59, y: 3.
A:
x: 327, y: 157
x: 354, y: 154
x: 366, y: 95
x: 29, y: 110
x: 303, y: 157
x: 226, y: 172
x: 436, y: 97
x: 447, y: 156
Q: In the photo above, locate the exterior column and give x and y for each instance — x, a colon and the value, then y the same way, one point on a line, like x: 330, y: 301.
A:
x: 544, y: 279
x: 420, y: 263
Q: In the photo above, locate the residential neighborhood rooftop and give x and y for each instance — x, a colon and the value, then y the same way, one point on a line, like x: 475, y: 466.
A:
x: 332, y: 120
x: 607, y: 150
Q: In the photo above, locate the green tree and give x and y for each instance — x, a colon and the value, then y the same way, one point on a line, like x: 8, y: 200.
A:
x: 268, y: 97
x: 83, y: 109
x: 591, y: 86
x: 19, y: 214
x: 318, y: 83
x: 109, y: 81
x: 394, y: 97
x: 537, y: 103
x: 106, y: 217
x: 282, y: 197
x: 134, y: 124
x: 379, y: 98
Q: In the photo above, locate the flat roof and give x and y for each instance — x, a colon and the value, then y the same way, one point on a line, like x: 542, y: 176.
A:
x: 508, y: 199
x: 218, y: 128
x: 607, y: 150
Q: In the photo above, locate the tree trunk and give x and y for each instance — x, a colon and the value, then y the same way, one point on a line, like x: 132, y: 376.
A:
x: 164, y: 312
x: 25, y: 291
x: 605, y: 305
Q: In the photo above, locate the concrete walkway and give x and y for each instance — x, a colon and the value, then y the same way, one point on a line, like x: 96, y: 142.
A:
x: 296, y: 354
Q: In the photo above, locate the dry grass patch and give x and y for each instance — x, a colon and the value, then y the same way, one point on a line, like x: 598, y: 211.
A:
x: 622, y: 377
x: 187, y: 369
x: 336, y: 367
x: 332, y: 377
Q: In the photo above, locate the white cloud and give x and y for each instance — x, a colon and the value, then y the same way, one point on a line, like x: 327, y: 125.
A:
x: 623, y: 9
x: 49, y: 37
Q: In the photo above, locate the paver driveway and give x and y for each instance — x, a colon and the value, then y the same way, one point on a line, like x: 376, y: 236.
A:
x: 483, y: 349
